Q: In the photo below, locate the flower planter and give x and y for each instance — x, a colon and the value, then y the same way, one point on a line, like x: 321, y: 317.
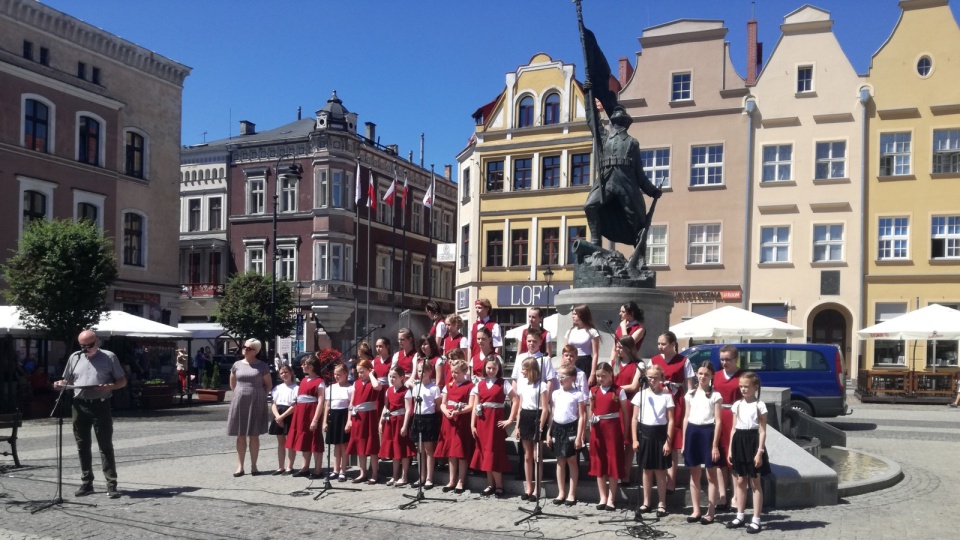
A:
x: 156, y: 396
x: 207, y: 394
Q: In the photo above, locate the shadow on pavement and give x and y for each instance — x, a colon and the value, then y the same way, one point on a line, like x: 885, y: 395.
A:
x: 154, y: 493
x: 854, y: 426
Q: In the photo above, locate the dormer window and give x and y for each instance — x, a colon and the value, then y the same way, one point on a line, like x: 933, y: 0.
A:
x: 525, y: 112
x: 551, y: 109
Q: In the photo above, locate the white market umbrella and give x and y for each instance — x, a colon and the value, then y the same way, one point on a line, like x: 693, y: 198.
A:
x: 550, y: 324
x: 120, y: 323
x: 934, y: 322
x: 730, y: 322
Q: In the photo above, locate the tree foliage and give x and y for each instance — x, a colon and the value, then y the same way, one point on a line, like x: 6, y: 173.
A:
x: 245, y: 307
x: 59, y: 277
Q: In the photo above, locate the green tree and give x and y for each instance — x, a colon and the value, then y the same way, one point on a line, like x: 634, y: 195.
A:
x: 59, y: 277
x: 245, y: 308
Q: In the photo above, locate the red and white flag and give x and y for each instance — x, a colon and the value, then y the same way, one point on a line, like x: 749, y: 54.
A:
x: 388, y: 198
x: 405, y: 193
x: 428, y: 196
x: 357, y: 191
x: 371, y: 192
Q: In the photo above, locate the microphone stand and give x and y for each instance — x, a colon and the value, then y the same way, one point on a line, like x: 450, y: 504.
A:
x: 537, y: 511
x: 421, y: 474
x: 637, y: 515
x: 58, y: 496
x: 327, y: 486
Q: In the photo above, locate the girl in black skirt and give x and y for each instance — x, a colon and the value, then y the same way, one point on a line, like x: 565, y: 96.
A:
x: 284, y: 396
x: 534, y: 397
x: 701, y: 440
x: 568, y: 405
x: 653, y: 437
x: 747, y: 450
x: 335, y: 420
x: 426, y: 428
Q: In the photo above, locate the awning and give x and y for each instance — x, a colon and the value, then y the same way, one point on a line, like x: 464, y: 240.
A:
x: 205, y: 330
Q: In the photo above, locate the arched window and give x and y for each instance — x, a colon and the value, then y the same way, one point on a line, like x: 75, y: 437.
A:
x: 88, y: 142
x: 135, y: 148
x: 34, y: 207
x: 133, y: 239
x: 525, y: 112
x: 36, y: 125
x: 551, y: 109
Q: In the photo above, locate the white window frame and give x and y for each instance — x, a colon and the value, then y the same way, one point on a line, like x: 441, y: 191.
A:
x: 51, y: 120
x: 416, y: 218
x: 336, y: 261
x: 41, y: 186
x: 146, y: 152
x: 186, y: 214
x: 435, y: 228
x: 829, y: 160
x: 657, y: 244
x: 321, y: 269
x: 384, y: 210
x: 777, y: 161
x: 102, y: 141
x: 434, y: 281
x: 287, y: 255
x: 348, y: 262
x: 656, y: 163
x: 220, y: 225
x: 805, y: 84
x: 446, y: 283
x: 289, y: 193
x: 447, y: 227
x: 144, y: 242
x: 253, y: 264
x: 895, y: 154
x: 896, y: 240
x: 251, y: 207
x: 384, y: 270
x: 828, y: 242
x: 946, y: 151
x: 685, y: 91
x: 699, y: 246
x: 80, y: 196
x: 322, y: 198
x: 706, y: 166
x: 416, y: 278
x: 337, y: 179
x: 775, y: 248
x: 946, y: 229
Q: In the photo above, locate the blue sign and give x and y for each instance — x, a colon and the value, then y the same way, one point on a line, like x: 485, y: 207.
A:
x: 528, y: 295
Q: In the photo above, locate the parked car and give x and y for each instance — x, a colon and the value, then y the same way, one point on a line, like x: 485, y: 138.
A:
x: 814, y: 373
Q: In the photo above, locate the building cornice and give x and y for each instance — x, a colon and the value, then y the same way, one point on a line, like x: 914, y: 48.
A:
x: 54, y: 84
x: 93, y: 39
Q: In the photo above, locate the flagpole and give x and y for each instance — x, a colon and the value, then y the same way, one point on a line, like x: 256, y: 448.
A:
x: 393, y: 236
x: 433, y: 195
x: 403, y: 225
x: 371, y: 206
x: 356, y: 255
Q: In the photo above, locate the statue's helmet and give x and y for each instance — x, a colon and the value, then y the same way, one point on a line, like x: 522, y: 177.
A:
x: 620, y: 117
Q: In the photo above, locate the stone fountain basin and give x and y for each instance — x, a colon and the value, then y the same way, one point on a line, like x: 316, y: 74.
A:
x: 860, y: 472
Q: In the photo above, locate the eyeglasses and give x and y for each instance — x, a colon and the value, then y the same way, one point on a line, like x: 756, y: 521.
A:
x: 246, y: 348
x: 86, y: 346
x: 563, y: 377
x: 722, y: 359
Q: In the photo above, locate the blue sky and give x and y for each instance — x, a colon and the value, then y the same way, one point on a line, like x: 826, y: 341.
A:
x: 419, y: 66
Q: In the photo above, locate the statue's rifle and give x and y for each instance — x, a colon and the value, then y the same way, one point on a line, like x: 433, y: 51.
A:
x: 642, y: 237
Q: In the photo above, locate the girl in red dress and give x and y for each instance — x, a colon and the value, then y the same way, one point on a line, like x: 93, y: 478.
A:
x: 727, y: 384
x: 479, y: 360
x: 627, y: 371
x: 489, y: 429
x: 406, y: 357
x: 631, y: 324
x: 431, y: 353
x: 456, y: 441
x: 306, y: 434
x: 679, y: 376
x: 454, y: 338
x: 363, y: 421
x: 608, y: 418
x: 395, y: 441
x: 381, y: 366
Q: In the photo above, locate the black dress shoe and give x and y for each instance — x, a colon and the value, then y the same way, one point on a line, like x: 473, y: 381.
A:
x: 85, y: 489
x: 693, y: 519
x: 277, y: 472
x: 238, y: 474
x: 446, y: 489
x: 113, y: 493
x: 459, y: 491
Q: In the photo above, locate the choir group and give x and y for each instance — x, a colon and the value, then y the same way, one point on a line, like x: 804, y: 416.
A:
x: 446, y: 396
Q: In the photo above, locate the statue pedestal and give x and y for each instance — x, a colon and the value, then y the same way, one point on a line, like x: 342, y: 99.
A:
x: 604, y: 303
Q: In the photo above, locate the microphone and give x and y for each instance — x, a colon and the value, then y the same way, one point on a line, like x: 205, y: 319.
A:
x: 608, y: 324
x: 375, y: 326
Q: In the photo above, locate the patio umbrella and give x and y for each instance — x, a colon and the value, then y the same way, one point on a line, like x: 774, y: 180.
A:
x: 730, y: 322
x: 933, y: 323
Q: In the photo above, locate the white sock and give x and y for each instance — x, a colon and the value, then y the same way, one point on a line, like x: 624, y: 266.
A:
x: 756, y: 520
x: 740, y: 516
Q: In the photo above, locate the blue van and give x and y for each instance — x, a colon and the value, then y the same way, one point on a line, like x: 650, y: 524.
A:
x: 812, y: 372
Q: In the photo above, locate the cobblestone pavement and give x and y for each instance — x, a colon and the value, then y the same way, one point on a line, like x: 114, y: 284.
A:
x: 175, y: 472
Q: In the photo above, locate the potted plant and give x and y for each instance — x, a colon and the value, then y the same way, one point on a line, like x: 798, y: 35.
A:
x: 156, y: 394
x: 211, y: 390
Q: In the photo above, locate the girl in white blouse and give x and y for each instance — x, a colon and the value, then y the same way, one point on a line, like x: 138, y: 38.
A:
x: 284, y: 396
x: 585, y: 337
x: 747, y: 449
x: 569, y: 405
x: 701, y: 428
x: 335, y: 420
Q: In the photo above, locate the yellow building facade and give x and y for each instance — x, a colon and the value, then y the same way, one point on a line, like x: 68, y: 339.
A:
x: 913, y: 195
x: 524, y: 177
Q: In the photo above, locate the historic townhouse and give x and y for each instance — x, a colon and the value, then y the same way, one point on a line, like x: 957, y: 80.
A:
x: 523, y: 178
x: 807, y: 122
x: 687, y: 102
x: 90, y: 129
x: 913, y: 180
x: 309, y: 168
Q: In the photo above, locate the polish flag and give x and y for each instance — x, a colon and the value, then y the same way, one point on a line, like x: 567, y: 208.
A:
x: 356, y: 200
x: 428, y: 196
x: 405, y: 193
x: 388, y: 198
x: 371, y: 192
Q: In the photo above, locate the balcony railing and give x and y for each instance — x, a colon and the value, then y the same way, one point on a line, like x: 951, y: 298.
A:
x: 201, y: 290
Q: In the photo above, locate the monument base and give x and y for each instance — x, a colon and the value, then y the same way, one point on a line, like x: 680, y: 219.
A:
x: 605, y: 302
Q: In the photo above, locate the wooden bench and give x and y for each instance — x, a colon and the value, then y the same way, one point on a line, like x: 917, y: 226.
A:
x: 11, y: 422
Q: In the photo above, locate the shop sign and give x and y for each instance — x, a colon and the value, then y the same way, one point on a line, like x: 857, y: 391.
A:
x: 707, y: 296
x: 528, y: 295
x: 136, y: 297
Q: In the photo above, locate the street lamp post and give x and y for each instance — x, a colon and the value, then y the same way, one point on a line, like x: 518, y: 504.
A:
x: 290, y: 170
x: 548, y: 277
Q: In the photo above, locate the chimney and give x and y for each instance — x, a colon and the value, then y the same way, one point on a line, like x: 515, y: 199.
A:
x: 371, y: 131
x: 410, y: 157
x: 448, y: 172
x: 753, y: 51
x: 299, y: 112
x: 247, y: 127
x: 626, y: 71
x: 393, y: 149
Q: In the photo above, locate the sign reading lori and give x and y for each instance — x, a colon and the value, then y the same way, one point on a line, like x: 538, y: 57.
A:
x: 528, y: 295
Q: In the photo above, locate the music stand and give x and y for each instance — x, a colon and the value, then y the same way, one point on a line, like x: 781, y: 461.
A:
x: 58, y: 496
x: 421, y: 474
x: 327, y: 486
